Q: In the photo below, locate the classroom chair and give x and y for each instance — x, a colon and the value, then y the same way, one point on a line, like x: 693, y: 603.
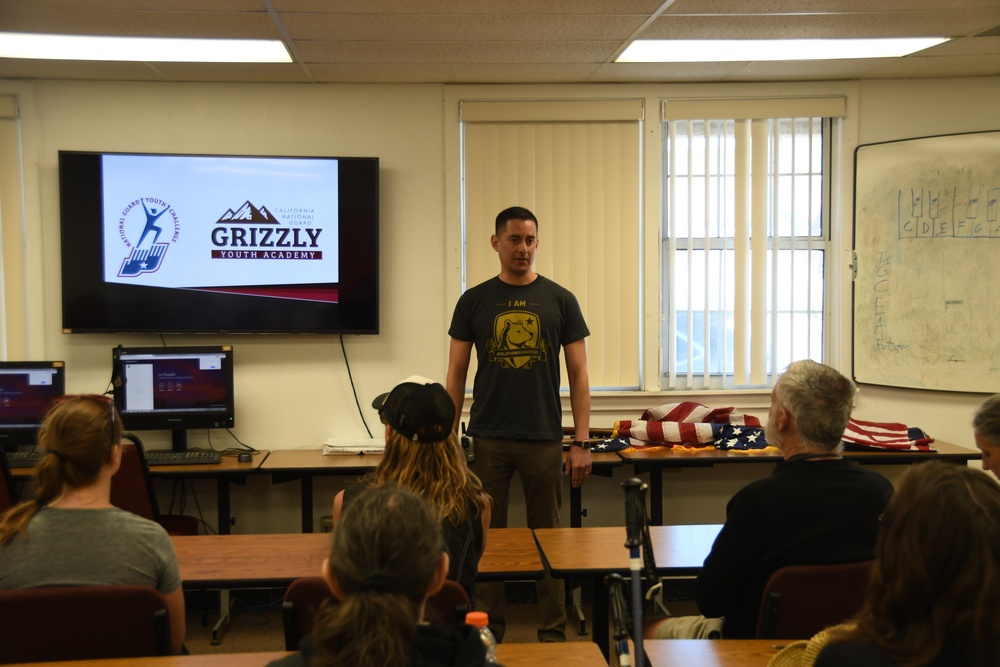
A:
x: 801, y: 600
x: 82, y: 623
x: 7, y: 493
x: 132, y: 490
x: 305, y: 596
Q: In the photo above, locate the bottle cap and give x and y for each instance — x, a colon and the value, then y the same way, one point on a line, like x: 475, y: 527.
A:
x: 480, y: 619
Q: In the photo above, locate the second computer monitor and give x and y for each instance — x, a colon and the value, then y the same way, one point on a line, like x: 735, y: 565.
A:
x: 174, y: 388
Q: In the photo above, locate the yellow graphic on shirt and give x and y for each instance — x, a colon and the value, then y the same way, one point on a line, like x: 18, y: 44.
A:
x: 517, y: 340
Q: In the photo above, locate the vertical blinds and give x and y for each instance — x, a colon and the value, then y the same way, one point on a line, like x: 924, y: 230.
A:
x: 576, y: 166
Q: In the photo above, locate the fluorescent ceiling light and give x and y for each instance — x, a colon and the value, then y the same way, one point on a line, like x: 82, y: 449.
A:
x: 738, y: 50
x: 142, y: 49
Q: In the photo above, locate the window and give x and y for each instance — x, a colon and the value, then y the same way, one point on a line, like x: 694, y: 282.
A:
x: 745, y: 247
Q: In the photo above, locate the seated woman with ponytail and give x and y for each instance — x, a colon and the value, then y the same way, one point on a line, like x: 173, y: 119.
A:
x: 71, y: 534
x: 388, y: 556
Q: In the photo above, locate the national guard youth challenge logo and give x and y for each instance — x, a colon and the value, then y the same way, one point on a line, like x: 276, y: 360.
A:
x: 517, y: 340
x: 146, y: 219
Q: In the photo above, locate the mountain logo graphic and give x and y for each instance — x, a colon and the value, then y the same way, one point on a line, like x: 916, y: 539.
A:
x: 249, y: 213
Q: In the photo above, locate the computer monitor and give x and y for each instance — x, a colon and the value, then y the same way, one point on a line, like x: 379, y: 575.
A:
x: 174, y: 388
x: 27, y: 391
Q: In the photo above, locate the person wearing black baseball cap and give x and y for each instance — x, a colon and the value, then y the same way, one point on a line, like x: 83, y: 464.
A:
x: 423, y: 455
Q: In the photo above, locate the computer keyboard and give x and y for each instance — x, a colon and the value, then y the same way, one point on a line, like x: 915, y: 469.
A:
x: 166, y: 457
x: 25, y: 459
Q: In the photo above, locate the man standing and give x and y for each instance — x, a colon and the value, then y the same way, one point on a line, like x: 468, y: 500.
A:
x: 815, y: 508
x: 517, y: 322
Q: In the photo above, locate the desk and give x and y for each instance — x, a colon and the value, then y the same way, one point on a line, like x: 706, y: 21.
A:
x: 581, y: 654
x: 655, y: 461
x: 275, y: 560
x: 714, y: 652
x: 596, y: 552
x: 303, y: 464
x: 224, y: 472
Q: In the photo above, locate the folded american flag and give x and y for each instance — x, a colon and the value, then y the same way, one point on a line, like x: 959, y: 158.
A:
x: 739, y: 437
x: 861, y: 435
x: 685, y: 423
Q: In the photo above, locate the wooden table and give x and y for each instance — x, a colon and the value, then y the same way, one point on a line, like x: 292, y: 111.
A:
x: 275, y: 560
x: 304, y: 464
x: 711, y: 652
x: 579, y: 654
x: 284, y: 465
x: 225, y: 472
x: 239, y: 561
x: 655, y: 461
x: 597, y: 552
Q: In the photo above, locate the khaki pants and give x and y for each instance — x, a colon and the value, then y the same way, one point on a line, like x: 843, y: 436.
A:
x: 687, y: 627
x: 539, y: 465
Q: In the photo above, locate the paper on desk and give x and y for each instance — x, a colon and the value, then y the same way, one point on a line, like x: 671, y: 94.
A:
x: 361, y: 446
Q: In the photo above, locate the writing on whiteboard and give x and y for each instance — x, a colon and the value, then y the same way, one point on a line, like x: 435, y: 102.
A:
x: 948, y: 213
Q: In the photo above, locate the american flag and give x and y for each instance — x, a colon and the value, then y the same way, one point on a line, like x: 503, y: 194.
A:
x: 889, y: 436
x: 690, y: 423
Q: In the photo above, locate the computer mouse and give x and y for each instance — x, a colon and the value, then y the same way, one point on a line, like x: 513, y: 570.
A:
x: 245, y: 457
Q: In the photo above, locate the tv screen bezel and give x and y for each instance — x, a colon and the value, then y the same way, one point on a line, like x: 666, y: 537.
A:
x: 91, y: 305
x: 165, y: 420
x: 11, y: 437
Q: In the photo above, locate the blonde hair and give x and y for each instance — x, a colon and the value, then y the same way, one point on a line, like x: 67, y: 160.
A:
x: 436, y: 471
x: 77, y: 435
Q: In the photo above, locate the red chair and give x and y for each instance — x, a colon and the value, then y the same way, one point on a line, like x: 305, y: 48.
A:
x: 801, y: 600
x: 7, y: 494
x: 132, y: 490
x: 82, y: 623
x: 306, y: 595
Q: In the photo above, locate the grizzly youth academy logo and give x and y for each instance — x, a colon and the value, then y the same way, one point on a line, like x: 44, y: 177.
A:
x: 250, y: 232
x: 517, y: 341
x: 145, y: 219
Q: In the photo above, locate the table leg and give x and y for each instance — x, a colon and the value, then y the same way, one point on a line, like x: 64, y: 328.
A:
x: 655, y: 492
x: 307, y: 504
x: 225, y: 509
x: 225, y: 617
x: 600, y: 624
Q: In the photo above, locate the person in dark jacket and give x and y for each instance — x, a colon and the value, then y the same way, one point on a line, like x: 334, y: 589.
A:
x: 815, y: 508
x: 388, y: 556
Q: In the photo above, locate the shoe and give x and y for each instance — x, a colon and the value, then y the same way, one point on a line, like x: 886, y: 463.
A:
x: 551, y: 636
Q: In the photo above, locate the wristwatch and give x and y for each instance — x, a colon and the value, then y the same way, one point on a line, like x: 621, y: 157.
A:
x: 582, y: 445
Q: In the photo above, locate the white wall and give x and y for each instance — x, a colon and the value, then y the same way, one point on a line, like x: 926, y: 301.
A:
x: 294, y: 392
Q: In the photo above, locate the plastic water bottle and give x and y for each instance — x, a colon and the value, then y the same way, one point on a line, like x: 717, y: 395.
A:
x: 480, y: 620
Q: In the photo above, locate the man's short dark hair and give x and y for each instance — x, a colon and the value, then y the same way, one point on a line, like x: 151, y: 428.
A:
x: 514, y: 213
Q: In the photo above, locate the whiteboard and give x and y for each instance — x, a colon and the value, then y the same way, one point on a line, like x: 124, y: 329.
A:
x: 927, y: 263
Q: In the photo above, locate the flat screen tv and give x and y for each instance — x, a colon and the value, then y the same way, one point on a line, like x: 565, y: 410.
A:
x: 174, y: 388
x: 158, y: 243
x: 27, y: 391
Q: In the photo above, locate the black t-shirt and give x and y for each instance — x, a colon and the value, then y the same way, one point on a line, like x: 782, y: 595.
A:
x: 518, y: 331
